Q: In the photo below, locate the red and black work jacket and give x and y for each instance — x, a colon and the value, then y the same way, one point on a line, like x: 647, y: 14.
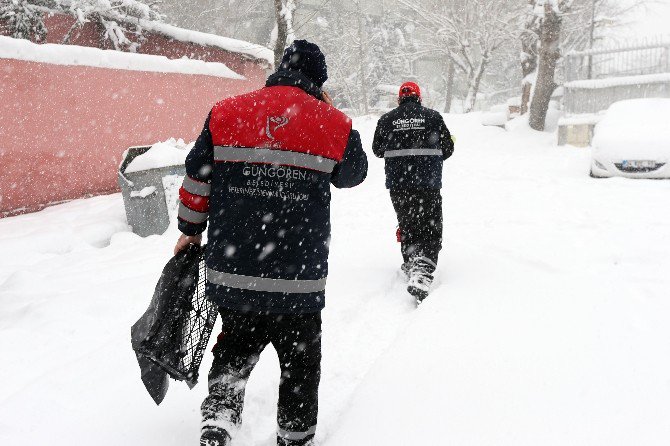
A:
x: 260, y: 175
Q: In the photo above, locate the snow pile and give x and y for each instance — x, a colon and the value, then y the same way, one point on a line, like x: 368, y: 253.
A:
x: 498, y: 115
x: 93, y: 57
x: 145, y: 192
x: 634, y: 129
x: 547, y: 325
x: 659, y: 78
x: 162, y: 154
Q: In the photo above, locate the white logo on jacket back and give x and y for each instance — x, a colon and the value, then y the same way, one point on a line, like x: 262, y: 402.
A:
x: 274, y: 123
x: 402, y: 124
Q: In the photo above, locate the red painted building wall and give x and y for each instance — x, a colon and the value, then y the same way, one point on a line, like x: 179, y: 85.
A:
x: 64, y: 128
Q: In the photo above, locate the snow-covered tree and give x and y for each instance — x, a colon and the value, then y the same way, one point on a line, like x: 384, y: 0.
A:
x: 364, y: 50
x: 468, y: 32
x: 557, y: 26
x: 336, y: 33
x: 118, y: 18
x: 283, y: 33
x: 549, y: 13
x: 22, y: 19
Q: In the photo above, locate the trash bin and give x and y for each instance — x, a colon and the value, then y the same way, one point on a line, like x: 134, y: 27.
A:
x: 149, y: 196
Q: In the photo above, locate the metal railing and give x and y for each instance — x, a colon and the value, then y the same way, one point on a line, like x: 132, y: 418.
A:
x: 595, y: 79
x: 648, y: 57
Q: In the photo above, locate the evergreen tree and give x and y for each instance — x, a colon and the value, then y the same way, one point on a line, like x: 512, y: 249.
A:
x: 22, y: 19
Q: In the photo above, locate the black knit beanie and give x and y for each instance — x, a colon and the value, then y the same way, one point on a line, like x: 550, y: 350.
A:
x: 307, y: 58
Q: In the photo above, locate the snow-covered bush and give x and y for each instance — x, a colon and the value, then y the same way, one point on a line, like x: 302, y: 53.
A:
x: 120, y: 19
x: 22, y: 19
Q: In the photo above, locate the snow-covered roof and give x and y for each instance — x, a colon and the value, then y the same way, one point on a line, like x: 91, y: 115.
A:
x: 145, y: 17
x: 620, y: 81
x: 20, y: 49
x: 225, y: 43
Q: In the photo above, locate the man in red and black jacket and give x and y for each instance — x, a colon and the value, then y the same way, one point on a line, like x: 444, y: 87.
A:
x: 260, y: 175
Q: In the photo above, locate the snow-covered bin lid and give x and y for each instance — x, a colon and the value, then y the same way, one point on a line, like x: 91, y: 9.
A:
x: 162, y: 154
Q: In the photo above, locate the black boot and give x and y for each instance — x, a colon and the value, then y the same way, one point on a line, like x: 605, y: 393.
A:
x: 420, y: 278
x: 214, y: 437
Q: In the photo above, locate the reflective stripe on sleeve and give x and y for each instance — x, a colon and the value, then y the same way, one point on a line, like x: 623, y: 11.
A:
x: 412, y: 152
x: 273, y: 156
x: 194, y: 202
x: 190, y: 215
x: 295, y: 436
x: 196, y: 187
x: 265, y: 283
x: 427, y: 260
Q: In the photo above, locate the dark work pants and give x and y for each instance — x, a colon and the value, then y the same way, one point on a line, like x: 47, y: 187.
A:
x: 297, y: 340
x: 419, y: 214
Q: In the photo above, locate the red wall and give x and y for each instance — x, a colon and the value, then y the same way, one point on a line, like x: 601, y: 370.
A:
x: 63, y: 128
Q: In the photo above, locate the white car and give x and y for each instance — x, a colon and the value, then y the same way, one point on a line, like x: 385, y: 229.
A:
x: 633, y: 140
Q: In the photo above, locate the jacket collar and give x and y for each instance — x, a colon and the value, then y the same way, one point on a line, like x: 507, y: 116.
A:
x: 292, y: 78
x: 410, y: 100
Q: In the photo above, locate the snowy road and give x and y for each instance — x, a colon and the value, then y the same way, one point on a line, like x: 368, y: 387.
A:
x: 548, y: 324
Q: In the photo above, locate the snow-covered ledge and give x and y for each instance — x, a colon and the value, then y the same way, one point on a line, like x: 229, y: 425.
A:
x: 610, y: 82
x: 577, y: 129
x: 21, y: 49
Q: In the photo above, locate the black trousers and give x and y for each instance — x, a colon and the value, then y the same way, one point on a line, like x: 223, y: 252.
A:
x: 297, y: 340
x: 419, y: 214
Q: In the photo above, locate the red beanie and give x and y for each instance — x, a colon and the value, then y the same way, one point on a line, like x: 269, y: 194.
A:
x: 409, y: 89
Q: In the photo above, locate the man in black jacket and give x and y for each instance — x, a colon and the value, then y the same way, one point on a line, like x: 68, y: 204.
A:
x: 260, y: 175
x: 414, y: 141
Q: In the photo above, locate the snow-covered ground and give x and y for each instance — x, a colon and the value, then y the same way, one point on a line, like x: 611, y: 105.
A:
x: 548, y: 324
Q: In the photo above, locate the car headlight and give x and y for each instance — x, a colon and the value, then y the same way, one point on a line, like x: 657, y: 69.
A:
x: 599, y: 165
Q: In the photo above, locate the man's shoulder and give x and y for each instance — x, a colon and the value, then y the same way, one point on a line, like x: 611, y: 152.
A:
x: 330, y: 112
x: 430, y: 111
x: 390, y: 115
x: 235, y: 101
x: 434, y: 115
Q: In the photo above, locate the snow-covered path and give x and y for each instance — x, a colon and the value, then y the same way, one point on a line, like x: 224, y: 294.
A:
x: 548, y: 323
